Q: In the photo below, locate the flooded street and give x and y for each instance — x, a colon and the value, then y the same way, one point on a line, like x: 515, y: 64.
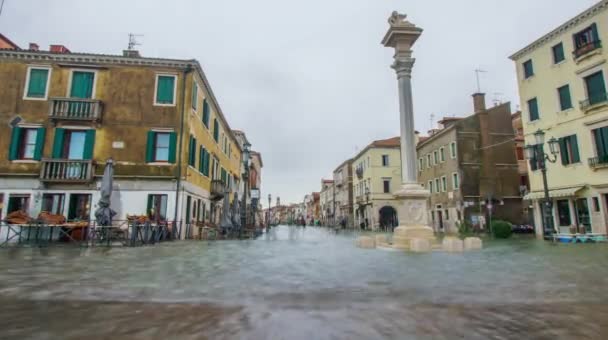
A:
x: 307, y: 283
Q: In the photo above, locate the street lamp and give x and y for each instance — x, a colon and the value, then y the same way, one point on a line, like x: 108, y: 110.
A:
x: 367, y: 206
x: 535, y: 153
x: 269, y: 203
x: 246, y: 154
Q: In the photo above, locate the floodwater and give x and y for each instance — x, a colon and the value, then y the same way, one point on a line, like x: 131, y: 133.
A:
x: 311, y: 283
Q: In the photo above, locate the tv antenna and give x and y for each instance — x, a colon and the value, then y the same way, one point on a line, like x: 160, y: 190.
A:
x: 477, y: 72
x: 1, y: 6
x: 132, y: 40
x: 432, y: 118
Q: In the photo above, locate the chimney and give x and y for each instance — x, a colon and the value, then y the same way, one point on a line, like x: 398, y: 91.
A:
x: 479, y: 102
x: 34, y: 47
x: 131, y: 54
x: 59, y: 49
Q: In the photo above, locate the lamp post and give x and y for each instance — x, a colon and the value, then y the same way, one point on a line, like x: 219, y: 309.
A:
x: 268, y: 215
x: 367, y: 206
x: 536, y: 154
x: 246, y: 153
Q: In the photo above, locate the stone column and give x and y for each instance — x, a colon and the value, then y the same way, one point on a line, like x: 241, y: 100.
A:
x: 412, y: 208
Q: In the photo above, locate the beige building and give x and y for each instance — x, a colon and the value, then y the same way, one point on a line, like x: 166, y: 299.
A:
x: 377, y: 176
x: 561, y: 78
x: 326, y: 202
x: 343, y: 181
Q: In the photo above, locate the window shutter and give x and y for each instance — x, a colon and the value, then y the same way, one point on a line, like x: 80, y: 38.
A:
x: 206, y: 113
x: 37, y: 84
x: 194, y: 94
x: 150, y: 146
x: 172, y: 145
x: 207, y: 162
x: 13, y: 152
x: 58, y: 143
x: 216, y: 130
x: 594, y: 32
x: 150, y: 205
x: 563, y: 148
x: 89, y: 144
x: 40, y: 135
x: 82, y: 84
x: 576, y: 157
x: 164, y: 90
x: 201, y: 159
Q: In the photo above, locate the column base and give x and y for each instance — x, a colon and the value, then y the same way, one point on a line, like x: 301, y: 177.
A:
x: 412, y: 213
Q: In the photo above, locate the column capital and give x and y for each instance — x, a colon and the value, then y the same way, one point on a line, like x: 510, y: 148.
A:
x: 403, y: 66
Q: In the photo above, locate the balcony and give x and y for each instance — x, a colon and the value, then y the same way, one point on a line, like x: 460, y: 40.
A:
x: 361, y: 200
x: 218, y: 189
x: 585, y: 50
x: 66, y: 171
x: 75, y: 109
x: 599, y: 162
x: 594, y: 102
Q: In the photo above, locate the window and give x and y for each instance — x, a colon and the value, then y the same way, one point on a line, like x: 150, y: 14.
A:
x: 216, y: 130
x: 431, y: 186
x: 420, y: 163
x: 596, y: 88
x: 26, y: 143
x: 384, y: 160
x: 586, y: 41
x: 563, y: 213
x: 528, y: 69
x: 558, y: 53
x: 161, y: 147
x: 600, y: 136
x: 444, y: 184
x: 442, y: 154
x: 192, y: 151
x: 437, y: 185
x: 569, y: 150
x: 80, y: 207
x: 203, y: 161
x: 565, y: 101
x: 165, y: 90
x: 157, y: 207
x: 428, y: 161
x: 596, y: 204
x: 455, y: 181
x: 386, y: 185
x: 519, y: 152
x: 534, y: 161
x: 533, y: 109
x: 447, y: 214
x: 83, y: 86
x: 37, y: 83
x: 206, y: 113
x: 435, y: 157
x: 73, y: 144
x: 18, y: 202
x: 53, y: 203
x: 582, y: 213
x: 194, y: 98
x: 453, y: 150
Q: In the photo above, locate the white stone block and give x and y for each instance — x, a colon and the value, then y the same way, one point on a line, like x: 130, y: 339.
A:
x: 420, y: 245
x: 381, y: 240
x: 472, y: 243
x: 452, y: 245
x: 366, y: 242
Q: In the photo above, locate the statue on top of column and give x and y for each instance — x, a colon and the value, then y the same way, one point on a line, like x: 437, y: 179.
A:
x: 397, y: 19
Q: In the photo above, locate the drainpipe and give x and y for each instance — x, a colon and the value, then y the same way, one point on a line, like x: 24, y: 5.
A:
x: 178, y: 177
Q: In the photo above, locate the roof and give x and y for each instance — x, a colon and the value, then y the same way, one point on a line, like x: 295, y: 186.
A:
x: 8, y: 41
x: 91, y: 58
x: 588, y: 13
x: 350, y: 160
x: 449, y: 119
x: 328, y: 181
x: 423, y: 139
x: 394, y: 142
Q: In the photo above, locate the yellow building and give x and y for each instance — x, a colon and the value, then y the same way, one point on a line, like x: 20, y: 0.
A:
x: 561, y: 79
x: 377, y: 176
x: 64, y: 114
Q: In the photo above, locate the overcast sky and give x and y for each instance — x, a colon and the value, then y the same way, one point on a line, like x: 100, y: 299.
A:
x: 309, y: 81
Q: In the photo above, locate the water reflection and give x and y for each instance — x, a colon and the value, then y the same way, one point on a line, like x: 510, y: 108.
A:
x: 304, y: 283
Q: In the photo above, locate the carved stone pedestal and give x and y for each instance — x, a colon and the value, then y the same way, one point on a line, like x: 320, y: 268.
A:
x: 413, y: 217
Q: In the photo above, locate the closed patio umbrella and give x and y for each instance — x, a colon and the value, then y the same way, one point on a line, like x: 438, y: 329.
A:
x: 104, y: 213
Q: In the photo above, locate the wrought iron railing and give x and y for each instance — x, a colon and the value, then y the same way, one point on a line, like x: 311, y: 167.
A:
x: 598, y: 162
x: 586, y: 48
x: 75, y: 109
x: 66, y: 170
x: 594, y: 100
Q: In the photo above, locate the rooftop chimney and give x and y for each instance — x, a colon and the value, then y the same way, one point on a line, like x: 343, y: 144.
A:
x: 479, y: 102
x: 131, y: 54
x: 59, y: 49
x: 34, y: 47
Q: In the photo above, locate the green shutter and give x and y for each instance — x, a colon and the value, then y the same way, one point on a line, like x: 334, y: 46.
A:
x: 40, y: 135
x: 172, y: 146
x: 150, y: 146
x: 595, y: 33
x: 533, y: 108
x: 150, y: 203
x: 13, y: 152
x: 194, y: 94
x: 164, y: 90
x: 37, y: 84
x: 216, y: 130
x: 192, y: 151
x: 207, y: 163
x: 576, y: 157
x: 58, y: 143
x: 558, y: 53
x: 89, y: 144
x: 563, y: 151
x: 201, y: 158
x: 206, y: 113
x: 564, y: 97
x: 82, y: 84
x: 596, y: 88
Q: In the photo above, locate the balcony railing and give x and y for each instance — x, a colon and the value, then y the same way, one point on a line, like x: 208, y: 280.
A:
x: 586, y: 48
x: 594, y: 100
x: 218, y: 189
x: 75, y: 109
x: 66, y: 171
x: 598, y: 162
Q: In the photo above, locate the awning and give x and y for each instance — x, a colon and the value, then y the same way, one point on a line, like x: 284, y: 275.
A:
x: 556, y: 193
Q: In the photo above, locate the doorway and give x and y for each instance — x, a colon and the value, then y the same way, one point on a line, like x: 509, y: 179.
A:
x: 80, y: 207
x: 53, y: 203
x: 18, y: 202
x: 440, y: 220
x: 388, y: 218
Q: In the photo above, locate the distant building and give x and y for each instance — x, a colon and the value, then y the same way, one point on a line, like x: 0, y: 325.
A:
x: 562, y: 87
x: 468, y: 164
x: 326, y: 201
x: 343, y: 183
x: 377, y: 170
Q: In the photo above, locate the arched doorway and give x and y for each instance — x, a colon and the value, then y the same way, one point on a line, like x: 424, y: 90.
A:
x: 388, y: 218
